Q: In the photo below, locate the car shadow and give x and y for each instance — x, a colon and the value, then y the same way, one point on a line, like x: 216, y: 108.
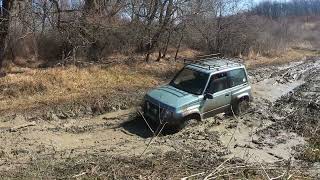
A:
x: 136, y: 125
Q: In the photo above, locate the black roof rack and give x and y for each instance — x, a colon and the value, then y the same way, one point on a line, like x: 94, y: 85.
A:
x: 201, y: 62
x: 200, y: 59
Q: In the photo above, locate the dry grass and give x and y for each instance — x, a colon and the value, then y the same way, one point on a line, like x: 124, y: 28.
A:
x: 170, y: 165
x: 273, y: 58
x: 311, y: 154
x: 35, y: 87
x: 312, y: 151
x: 25, y: 88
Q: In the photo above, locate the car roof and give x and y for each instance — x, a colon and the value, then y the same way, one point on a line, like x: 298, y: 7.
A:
x: 212, y: 65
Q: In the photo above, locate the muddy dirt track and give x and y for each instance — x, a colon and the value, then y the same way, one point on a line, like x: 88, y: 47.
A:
x: 283, y: 115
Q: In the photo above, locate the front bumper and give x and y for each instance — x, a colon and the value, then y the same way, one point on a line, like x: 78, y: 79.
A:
x: 158, y: 115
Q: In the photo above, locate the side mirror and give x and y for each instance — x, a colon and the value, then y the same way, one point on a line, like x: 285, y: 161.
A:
x: 208, y: 96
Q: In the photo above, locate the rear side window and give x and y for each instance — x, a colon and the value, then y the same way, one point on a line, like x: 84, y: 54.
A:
x: 237, y: 77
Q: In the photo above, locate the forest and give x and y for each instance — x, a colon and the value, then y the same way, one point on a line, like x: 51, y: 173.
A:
x: 51, y: 31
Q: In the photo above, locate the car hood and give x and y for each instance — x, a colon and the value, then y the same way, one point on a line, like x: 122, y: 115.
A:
x: 171, y: 97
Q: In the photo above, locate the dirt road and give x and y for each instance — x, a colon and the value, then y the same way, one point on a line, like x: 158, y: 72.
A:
x: 259, y: 136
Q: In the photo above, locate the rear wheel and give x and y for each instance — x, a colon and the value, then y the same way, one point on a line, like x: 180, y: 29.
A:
x: 241, y: 107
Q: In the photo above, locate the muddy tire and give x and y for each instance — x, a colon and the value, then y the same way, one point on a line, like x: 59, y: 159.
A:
x: 186, y: 122
x: 172, y: 129
x: 241, y: 107
x: 189, y: 122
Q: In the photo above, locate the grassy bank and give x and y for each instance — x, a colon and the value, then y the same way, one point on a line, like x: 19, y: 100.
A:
x: 36, y: 87
x: 25, y: 88
x: 278, y: 58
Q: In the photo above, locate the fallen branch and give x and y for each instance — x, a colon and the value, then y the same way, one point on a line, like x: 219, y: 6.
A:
x: 194, y: 175
x: 264, y: 171
x: 117, y: 114
x: 232, y: 136
x: 78, y: 175
x: 274, y: 155
x: 228, y: 174
x: 275, y: 178
x: 15, y: 129
x: 217, y: 169
x: 126, y: 132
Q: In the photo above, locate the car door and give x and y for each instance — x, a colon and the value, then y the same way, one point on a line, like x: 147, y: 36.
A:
x: 219, y: 95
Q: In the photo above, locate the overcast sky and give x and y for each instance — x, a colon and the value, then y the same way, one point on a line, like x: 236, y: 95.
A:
x: 269, y: 0
x: 255, y: 1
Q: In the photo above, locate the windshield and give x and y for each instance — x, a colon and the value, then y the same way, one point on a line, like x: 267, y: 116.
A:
x: 190, y: 81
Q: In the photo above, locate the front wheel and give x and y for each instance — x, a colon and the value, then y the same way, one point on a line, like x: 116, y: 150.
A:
x: 185, y: 122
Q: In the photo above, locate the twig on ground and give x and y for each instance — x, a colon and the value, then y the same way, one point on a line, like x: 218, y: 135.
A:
x: 278, y: 176
x: 274, y: 155
x: 228, y: 174
x: 146, y: 122
x: 155, y: 136
x: 193, y: 175
x: 289, y: 177
x: 247, y: 154
x: 264, y: 171
x: 126, y: 132
x: 218, y: 168
x: 78, y: 175
x: 288, y: 168
x: 232, y: 136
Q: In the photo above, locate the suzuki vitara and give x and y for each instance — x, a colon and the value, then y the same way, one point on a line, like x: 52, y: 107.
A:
x: 201, y: 89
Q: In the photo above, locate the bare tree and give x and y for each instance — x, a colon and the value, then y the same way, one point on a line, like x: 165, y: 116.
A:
x: 55, y: 30
x: 4, y: 27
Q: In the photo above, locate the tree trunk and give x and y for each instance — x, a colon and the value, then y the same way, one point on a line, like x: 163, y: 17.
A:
x: 178, y: 48
x: 159, y: 56
x: 35, y: 47
x: 88, y: 5
x: 4, y: 29
x: 147, y: 57
x: 56, y: 4
x: 166, y: 46
x: 218, y: 32
x: 155, y: 38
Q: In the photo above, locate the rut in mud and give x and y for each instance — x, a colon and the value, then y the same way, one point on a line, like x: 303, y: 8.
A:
x: 111, y: 146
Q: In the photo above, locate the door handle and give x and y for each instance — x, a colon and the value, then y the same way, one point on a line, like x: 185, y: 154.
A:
x: 227, y: 94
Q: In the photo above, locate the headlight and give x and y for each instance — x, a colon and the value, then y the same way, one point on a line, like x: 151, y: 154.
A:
x: 186, y: 110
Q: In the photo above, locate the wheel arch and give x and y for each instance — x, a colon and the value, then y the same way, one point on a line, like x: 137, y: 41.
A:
x: 194, y: 115
x: 239, y: 98
x: 244, y: 96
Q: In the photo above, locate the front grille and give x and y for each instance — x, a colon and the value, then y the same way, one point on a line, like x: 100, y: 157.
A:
x: 153, y: 109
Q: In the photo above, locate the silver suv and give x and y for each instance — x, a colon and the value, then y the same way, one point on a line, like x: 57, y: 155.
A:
x: 201, y: 89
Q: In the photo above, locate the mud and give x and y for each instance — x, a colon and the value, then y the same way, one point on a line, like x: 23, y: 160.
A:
x: 89, y: 106
x: 283, y: 117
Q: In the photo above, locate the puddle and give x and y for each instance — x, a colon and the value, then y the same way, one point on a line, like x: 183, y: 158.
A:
x: 271, y: 90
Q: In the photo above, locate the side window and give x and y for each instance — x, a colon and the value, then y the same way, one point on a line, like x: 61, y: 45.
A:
x: 218, y: 82
x: 237, y: 77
